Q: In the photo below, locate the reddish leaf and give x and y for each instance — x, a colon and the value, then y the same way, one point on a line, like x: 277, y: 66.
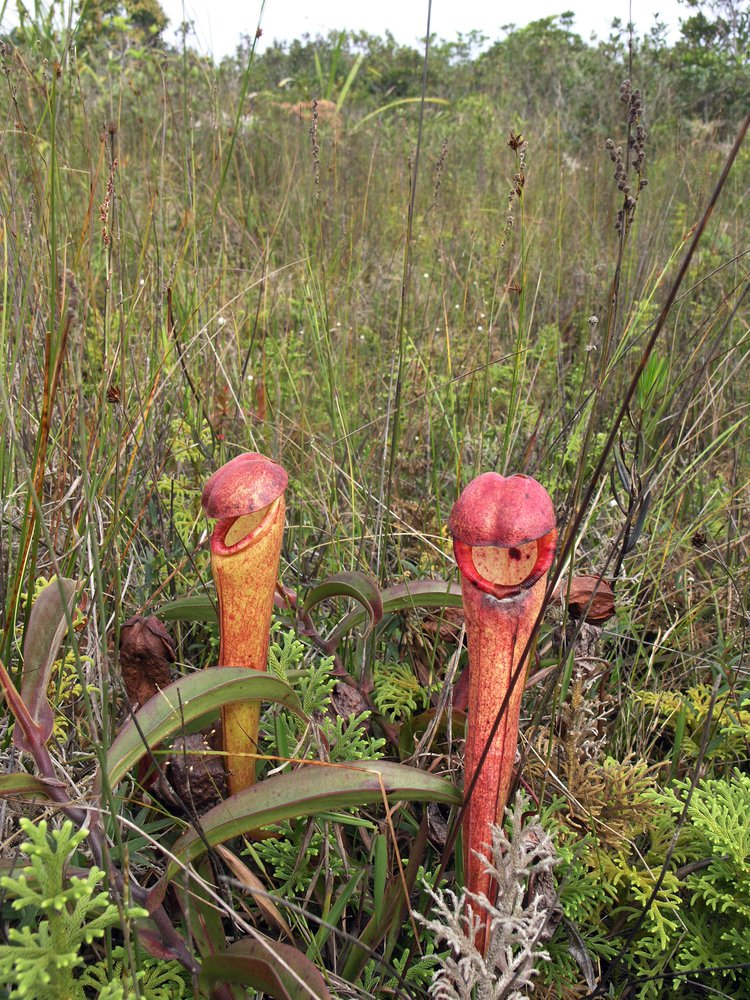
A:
x: 20, y: 783
x: 280, y: 970
x: 151, y: 941
x: 48, y: 623
x: 261, y: 401
x: 401, y: 597
x: 308, y: 792
x: 201, y: 913
x: 187, y: 699
x: 257, y: 889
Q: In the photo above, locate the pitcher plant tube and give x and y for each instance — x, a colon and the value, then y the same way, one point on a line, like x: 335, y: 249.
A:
x: 504, y: 538
x: 247, y: 497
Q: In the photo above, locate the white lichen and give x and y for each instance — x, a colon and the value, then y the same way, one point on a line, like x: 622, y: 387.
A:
x: 521, y: 920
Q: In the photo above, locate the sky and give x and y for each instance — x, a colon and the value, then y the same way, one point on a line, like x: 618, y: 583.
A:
x: 220, y: 23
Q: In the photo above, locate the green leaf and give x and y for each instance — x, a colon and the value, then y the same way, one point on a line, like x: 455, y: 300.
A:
x: 201, y: 915
x: 48, y: 623
x: 417, y: 594
x: 184, y: 700
x: 357, y: 585
x: 402, y: 597
x: 335, y: 913
x: 318, y: 70
x: 349, y: 81
x: 392, y: 909
x: 196, y: 608
x: 311, y: 790
x: 12, y: 785
x: 280, y: 970
x: 398, y: 103
x: 416, y: 725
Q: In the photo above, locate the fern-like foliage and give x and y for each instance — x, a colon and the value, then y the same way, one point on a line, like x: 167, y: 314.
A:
x: 157, y: 979
x: 41, y: 962
x: 718, y: 914
x: 694, y: 931
x: 397, y: 692
x: 349, y: 741
x: 687, y: 712
x: 294, y: 857
x: 420, y: 972
x: 699, y: 922
x: 285, y: 653
x: 346, y: 739
x: 65, y: 686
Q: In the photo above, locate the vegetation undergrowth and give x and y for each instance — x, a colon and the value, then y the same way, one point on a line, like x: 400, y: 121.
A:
x: 294, y: 253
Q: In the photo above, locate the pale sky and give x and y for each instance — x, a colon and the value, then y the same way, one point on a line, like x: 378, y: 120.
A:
x: 219, y: 23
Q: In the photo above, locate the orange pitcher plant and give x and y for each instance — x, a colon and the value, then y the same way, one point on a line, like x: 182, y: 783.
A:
x: 504, y: 538
x: 247, y: 497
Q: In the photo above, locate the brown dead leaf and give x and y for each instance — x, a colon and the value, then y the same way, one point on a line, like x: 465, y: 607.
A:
x: 243, y: 874
x: 147, y: 652
x: 193, y: 779
x: 261, y: 401
x: 588, y: 597
x: 347, y: 700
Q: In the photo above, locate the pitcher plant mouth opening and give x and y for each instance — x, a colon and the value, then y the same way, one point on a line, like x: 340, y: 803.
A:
x: 505, y: 571
x: 232, y: 534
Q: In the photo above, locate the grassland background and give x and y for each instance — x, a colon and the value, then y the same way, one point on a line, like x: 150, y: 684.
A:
x: 189, y: 270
